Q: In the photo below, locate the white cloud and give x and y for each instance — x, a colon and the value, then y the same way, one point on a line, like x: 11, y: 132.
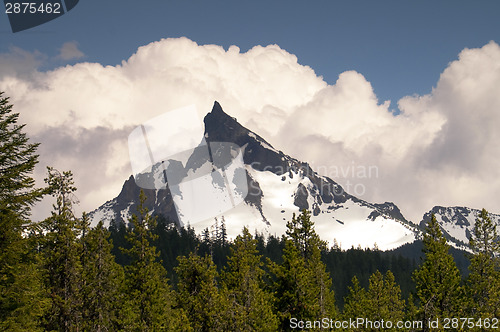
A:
x: 463, y: 161
x: 441, y: 149
x: 20, y: 63
x: 70, y: 51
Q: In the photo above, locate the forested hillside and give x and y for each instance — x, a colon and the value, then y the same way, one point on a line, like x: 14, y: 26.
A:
x: 62, y: 275
x: 341, y: 264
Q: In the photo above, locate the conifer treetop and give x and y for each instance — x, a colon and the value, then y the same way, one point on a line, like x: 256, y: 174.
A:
x: 18, y: 159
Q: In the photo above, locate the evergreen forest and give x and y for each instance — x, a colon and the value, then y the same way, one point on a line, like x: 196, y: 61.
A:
x: 61, y: 274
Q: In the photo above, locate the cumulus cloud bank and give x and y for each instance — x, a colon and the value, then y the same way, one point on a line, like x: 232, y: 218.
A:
x: 440, y: 150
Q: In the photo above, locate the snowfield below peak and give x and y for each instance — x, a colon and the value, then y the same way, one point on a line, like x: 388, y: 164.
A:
x: 347, y: 224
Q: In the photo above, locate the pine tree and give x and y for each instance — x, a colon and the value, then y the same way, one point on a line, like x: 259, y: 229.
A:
x: 437, y: 279
x: 293, y: 287
x: 206, y: 239
x: 18, y: 159
x: 483, y: 284
x: 250, y: 305
x: 356, y: 301
x: 300, y: 230
x: 222, y: 236
x: 103, y: 279
x: 149, y: 302
x: 198, y: 294
x: 118, y: 233
x: 383, y: 299
x: 207, y: 243
x: 22, y: 296
x: 214, y: 228
x: 303, y: 287
x: 61, y: 252
x: 411, y: 310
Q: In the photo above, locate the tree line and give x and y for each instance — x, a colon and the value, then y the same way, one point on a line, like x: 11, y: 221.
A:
x: 342, y: 265
x: 60, y: 274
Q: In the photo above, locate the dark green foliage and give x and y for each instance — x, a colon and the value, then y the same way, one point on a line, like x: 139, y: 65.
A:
x: 173, y: 242
x: 222, y: 234
x: 250, y: 304
x: 61, y: 256
x: 438, y: 281
x: 148, y: 300
x: 274, y: 249
x: 103, y: 279
x: 342, y: 265
x: 198, y: 293
x: 22, y: 301
x: 381, y: 301
x: 362, y: 263
x: 355, y: 302
x: 214, y: 243
x: 384, y: 298
x: 302, y: 286
x: 300, y: 230
x: 293, y: 287
x: 118, y: 233
x: 17, y: 160
x: 483, y: 283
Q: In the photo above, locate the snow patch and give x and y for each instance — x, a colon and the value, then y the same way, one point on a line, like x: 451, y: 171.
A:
x: 262, y: 143
x: 105, y: 213
x: 125, y: 214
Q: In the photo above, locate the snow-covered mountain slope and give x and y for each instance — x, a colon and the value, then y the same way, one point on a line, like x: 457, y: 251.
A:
x: 457, y: 223
x: 348, y: 223
x: 278, y: 186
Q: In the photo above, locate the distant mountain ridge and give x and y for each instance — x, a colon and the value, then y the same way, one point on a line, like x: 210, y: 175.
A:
x: 279, y: 186
x: 457, y: 223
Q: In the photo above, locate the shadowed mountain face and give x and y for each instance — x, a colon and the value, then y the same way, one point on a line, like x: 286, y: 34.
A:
x: 261, y: 156
x: 278, y: 186
x: 220, y: 127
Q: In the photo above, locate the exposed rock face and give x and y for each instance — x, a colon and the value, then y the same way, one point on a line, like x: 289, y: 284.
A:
x: 279, y: 185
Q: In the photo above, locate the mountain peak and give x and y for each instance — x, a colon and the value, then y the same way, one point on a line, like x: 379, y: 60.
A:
x: 278, y: 186
x: 217, y: 108
x: 220, y: 127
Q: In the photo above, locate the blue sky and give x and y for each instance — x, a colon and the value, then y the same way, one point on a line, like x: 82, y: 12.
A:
x: 401, y: 47
x: 81, y: 90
